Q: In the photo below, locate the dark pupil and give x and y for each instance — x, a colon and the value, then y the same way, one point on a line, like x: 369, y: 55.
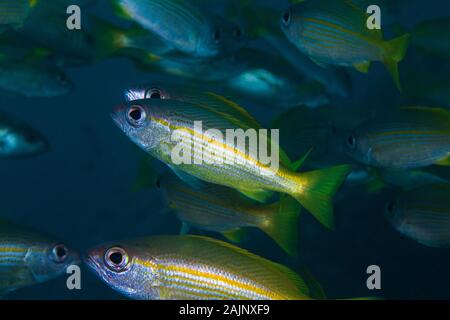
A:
x: 286, y: 16
x: 391, y: 206
x: 216, y: 35
x: 155, y: 95
x: 135, y: 114
x: 158, y: 183
x: 238, y: 33
x: 351, y: 141
x: 116, y: 257
x: 61, y: 252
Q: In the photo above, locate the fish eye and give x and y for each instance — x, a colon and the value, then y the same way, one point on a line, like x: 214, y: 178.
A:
x: 116, y: 259
x: 154, y: 93
x: 390, y: 207
x: 136, y: 115
x: 351, y: 141
x: 158, y: 183
x: 286, y: 17
x: 238, y: 32
x: 217, y: 35
x: 59, y: 253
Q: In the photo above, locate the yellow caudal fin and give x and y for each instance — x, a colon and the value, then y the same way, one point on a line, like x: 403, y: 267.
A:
x: 315, y: 190
x: 282, y: 225
x: 444, y: 161
x: 395, y: 51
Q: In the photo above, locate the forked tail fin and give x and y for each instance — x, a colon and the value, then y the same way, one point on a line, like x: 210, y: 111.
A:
x: 315, y: 190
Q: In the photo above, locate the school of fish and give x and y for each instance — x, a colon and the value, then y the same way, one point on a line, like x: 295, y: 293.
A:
x: 295, y: 62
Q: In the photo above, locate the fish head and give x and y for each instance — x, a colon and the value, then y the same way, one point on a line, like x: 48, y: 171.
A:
x: 125, y: 270
x: 394, y: 213
x: 291, y: 22
x: 225, y: 35
x: 150, y: 91
x: 357, y: 145
x: 134, y: 119
x: 49, y: 260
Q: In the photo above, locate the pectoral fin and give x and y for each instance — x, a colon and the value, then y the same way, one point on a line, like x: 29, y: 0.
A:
x: 259, y: 195
x: 363, y: 67
x: 236, y: 235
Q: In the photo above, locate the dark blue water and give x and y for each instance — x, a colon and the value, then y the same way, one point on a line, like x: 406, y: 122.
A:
x: 81, y: 192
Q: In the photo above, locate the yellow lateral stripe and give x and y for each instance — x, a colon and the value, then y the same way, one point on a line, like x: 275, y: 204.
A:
x: 12, y: 249
x: 216, y: 143
x: 332, y: 25
x: 230, y: 282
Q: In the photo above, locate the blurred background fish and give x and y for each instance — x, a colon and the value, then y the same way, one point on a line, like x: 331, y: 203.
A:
x: 410, y: 138
x: 220, y: 209
x: 423, y: 214
x: 18, y: 139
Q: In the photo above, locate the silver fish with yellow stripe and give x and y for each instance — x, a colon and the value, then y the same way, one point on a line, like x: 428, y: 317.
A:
x: 335, y: 32
x: 151, y: 123
x: 216, y: 208
x: 28, y: 257
x: 192, y: 268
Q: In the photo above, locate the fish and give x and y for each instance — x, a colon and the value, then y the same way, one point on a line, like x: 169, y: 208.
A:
x: 14, y: 12
x: 412, y: 137
x: 184, y: 26
x: 28, y: 257
x: 203, y: 70
x: 432, y: 38
x: 150, y: 124
x: 33, y: 79
x: 221, y: 209
x: 320, y: 130
x: 192, y: 268
x: 423, y: 214
x: 269, y: 81
x: 192, y: 94
x: 69, y: 47
x: 18, y: 139
x: 334, y: 32
x: 133, y: 42
x: 260, y: 23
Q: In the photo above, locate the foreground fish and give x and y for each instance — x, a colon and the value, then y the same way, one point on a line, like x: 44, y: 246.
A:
x: 184, y: 26
x: 411, y: 138
x: 18, y: 139
x: 221, y: 209
x: 423, y: 214
x: 192, y: 267
x: 15, y: 12
x: 335, y: 32
x: 27, y: 257
x: 151, y: 124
